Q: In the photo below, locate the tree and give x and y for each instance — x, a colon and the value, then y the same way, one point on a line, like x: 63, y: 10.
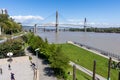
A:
x: 8, y: 25
x: 14, y: 46
x: 59, y: 62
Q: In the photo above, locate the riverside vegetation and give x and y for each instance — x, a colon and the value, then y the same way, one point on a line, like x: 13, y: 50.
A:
x: 50, y: 52
x: 16, y: 46
x: 100, y: 30
x: 8, y: 25
x: 59, y: 55
x: 58, y: 62
x: 86, y: 58
x: 8, y: 28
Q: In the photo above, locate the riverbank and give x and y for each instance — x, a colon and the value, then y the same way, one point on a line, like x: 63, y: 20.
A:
x: 85, y: 58
x: 93, y: 51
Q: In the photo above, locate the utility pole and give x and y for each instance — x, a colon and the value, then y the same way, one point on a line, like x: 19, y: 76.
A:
x: 36, y: 50
x: 85, y: 25
x: 56, y: 25
x: 74, y: 72
x: 94, y: 69
x: 109, y: 66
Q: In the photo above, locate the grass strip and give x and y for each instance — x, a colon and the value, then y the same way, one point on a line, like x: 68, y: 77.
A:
x: 85, y: 58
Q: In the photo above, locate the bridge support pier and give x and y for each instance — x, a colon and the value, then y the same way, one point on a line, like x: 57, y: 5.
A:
x: 57, y: 30
x: 85, y: 25
x: 35, y: 28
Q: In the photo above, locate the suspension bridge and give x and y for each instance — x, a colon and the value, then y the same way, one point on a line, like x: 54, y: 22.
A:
x: 57, y: 25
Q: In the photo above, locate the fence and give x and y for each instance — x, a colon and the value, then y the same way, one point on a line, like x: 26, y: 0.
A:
x: 109, y: 54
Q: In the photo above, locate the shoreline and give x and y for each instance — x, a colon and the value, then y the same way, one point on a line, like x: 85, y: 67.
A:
x: 93, y: 51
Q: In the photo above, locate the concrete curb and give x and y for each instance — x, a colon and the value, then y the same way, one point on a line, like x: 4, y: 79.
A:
x: 95, y: 52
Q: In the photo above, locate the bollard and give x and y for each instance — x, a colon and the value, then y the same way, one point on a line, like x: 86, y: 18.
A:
x: 109, y: 66
x: 94, y: 69
x: 74, y: 72
x: 119, y: 75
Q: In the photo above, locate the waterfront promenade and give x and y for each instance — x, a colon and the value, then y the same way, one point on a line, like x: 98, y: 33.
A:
x: 43, y: 68
x: 20, y: 66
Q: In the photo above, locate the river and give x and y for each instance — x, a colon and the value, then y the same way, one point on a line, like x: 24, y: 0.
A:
x: 109, y: 42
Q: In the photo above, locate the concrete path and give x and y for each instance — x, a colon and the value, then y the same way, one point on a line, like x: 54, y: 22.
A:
x: 44, y: 69
x: 20, y: 66
x: 90, y: 73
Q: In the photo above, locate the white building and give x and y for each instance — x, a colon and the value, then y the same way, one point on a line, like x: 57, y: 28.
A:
x: 3, y: 11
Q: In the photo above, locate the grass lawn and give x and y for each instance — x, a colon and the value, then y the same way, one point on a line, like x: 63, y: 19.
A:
x: 79, y: 75
x: 86, y: 58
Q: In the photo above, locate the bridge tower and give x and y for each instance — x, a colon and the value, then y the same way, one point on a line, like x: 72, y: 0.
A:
x: 35, y: 28
x: 56, y: 25
x: 85, y: 25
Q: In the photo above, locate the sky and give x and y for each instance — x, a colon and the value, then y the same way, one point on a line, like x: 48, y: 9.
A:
x: 106, y: 12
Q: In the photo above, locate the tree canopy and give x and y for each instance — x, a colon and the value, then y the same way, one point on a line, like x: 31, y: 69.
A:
x: 51, y: 52
x: 8, y: 25
x: 15, y: 46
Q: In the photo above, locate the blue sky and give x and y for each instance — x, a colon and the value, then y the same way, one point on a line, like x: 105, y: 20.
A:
x: 96, y: 11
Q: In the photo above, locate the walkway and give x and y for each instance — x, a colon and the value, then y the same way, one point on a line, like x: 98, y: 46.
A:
x: 44, y: 69
x: 90, y: 73
x: 20, y: 66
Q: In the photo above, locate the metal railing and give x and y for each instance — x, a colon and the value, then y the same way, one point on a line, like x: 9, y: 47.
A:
x: 109, y: 54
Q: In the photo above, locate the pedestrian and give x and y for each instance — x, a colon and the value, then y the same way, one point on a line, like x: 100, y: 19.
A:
x: 12, y: 76
x: 33, y: 64
x: 9, y: 67
x: 0, y: 70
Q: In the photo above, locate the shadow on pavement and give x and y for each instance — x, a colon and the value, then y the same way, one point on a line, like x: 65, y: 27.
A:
x: 45, y: 62
x: 48, y: 71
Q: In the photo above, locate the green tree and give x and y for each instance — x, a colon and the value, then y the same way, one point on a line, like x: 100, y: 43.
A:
x: 14, y: 46
x: 8, y: 25
x: 59, y: 62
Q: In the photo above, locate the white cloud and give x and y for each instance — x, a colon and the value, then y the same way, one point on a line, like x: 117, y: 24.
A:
x: 29, y: 19
x: 80, y: 22
x: 75, y: 20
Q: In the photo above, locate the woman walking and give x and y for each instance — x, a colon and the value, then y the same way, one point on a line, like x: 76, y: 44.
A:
x: 12, y: 76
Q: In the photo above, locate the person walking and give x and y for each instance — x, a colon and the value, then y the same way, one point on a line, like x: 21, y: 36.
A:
x: 9, y: 67
x: 12, y: 76
x: 0, y: 70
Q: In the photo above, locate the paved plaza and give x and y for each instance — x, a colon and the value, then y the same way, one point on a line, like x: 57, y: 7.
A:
x: 20, y: 66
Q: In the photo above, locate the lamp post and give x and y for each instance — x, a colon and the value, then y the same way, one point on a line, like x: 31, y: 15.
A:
x: 36, y: 50
x: 10, y: 56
